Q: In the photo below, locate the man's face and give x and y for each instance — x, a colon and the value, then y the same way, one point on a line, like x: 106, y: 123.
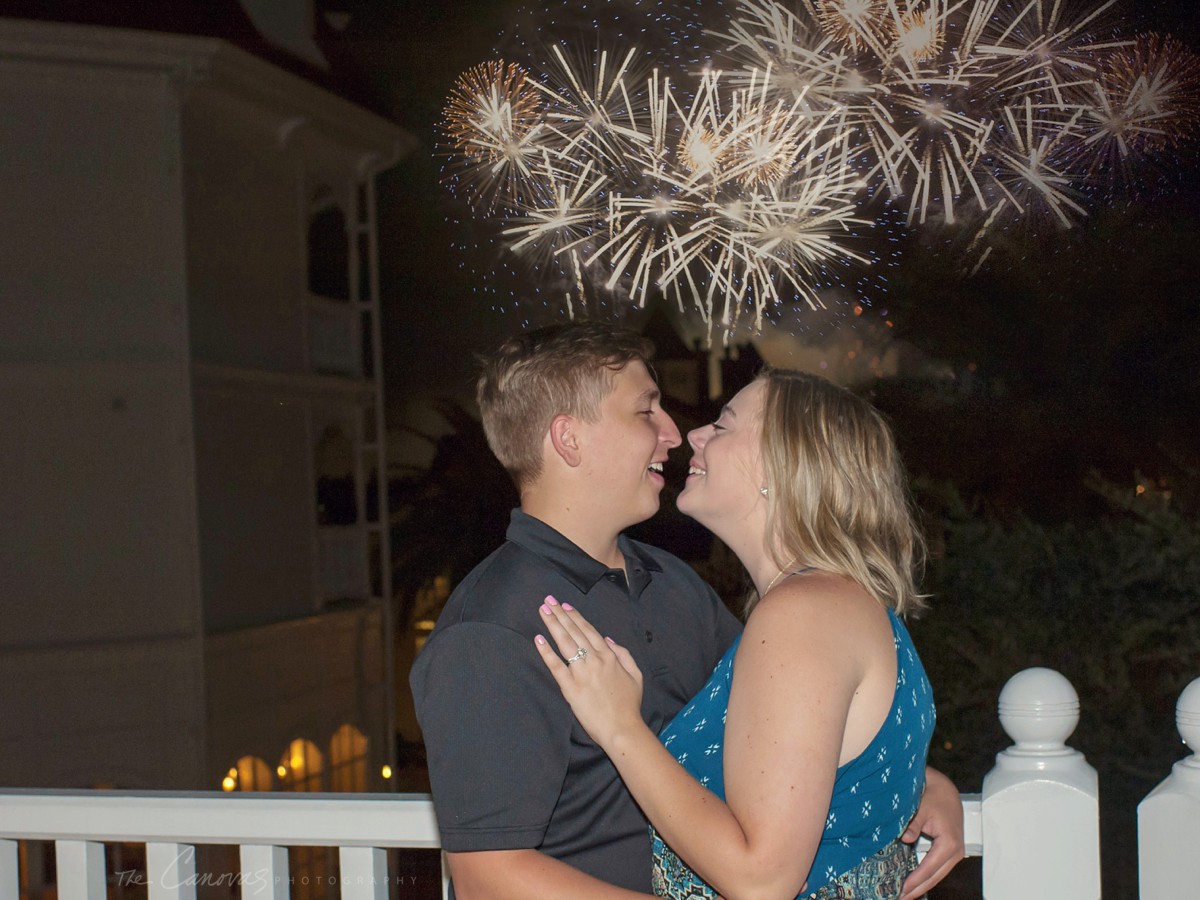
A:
x: 625, y: 450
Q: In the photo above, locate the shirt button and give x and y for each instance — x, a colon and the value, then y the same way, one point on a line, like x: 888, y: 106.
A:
x: 649, y: 637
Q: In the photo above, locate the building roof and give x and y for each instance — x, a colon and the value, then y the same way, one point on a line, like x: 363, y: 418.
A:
x: 227, y: 20
x: 290, y: 98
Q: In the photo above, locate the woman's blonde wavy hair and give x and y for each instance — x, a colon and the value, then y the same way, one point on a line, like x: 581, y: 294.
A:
x: 837, y: 497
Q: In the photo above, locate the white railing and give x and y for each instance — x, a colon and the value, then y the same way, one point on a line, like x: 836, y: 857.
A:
x: 1169, y: 817
x: 171, y: 824
x: 1036, y: 824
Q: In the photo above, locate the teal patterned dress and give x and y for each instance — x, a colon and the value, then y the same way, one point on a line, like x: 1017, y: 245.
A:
x: 874, y: 795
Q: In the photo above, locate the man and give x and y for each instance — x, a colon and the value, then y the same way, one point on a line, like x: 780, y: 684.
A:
x: 527, y: 804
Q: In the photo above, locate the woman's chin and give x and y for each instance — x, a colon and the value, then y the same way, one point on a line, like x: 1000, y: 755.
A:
x: 684, y: 503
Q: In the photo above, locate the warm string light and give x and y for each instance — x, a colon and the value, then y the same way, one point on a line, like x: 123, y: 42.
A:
x: 740, y: 189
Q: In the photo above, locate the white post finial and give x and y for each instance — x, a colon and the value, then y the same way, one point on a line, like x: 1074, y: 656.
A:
x: 1041, y: 801
x: 1187, y: 720
x: 1169, y: 817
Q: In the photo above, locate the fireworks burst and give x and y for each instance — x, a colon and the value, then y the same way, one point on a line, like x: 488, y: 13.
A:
x: 921, y: 34
x: 493, y: 121
x: 857, y: 24
x: 1145, y: 101
x: 742, y: 190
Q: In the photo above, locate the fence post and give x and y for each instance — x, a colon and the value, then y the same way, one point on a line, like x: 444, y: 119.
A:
x: 1041, y: 812
x: 1169, y: 816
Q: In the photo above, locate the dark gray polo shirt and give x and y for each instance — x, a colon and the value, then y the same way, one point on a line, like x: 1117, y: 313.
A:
x: 509, y: 765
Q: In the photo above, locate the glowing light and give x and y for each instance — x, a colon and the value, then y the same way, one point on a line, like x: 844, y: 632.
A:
x: 228, y: 783
x: 386, y: 771
x: 281, y: 771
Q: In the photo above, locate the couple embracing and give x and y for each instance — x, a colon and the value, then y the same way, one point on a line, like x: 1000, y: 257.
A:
x: 580, y: 684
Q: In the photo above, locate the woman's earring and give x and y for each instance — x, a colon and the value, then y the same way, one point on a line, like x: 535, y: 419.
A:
x: 763, y: 491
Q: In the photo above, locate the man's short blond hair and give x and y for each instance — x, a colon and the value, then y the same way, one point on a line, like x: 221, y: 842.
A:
x: 552, y: 371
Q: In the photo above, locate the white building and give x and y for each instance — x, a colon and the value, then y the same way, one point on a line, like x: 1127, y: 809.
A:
x: 193, y: 565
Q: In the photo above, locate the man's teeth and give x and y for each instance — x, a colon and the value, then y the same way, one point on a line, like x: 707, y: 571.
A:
x: 656, y: 467
x: 693, y: 470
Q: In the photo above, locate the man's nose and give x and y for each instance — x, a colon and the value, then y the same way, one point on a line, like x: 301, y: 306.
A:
x: 669, y: 434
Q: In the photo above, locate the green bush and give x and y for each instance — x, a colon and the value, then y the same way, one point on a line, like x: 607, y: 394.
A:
x: 1113, y: 604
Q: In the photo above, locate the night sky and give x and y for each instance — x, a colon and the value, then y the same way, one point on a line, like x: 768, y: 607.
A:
x: 1102, y: 319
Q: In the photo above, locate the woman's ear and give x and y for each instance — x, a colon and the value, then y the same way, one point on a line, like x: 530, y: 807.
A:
x: 564, y: 439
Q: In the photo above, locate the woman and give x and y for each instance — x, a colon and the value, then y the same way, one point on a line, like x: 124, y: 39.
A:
x: 813, y: 730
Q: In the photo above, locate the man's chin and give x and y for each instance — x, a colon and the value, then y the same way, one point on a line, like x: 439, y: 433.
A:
x: 648, y: 510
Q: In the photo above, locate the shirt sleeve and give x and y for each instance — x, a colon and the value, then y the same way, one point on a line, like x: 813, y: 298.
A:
x: 497, y: 736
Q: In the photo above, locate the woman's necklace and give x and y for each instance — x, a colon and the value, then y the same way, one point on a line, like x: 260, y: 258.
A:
x: 779, y: 577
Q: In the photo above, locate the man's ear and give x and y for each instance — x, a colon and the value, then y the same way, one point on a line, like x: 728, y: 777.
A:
x: 565, y: 440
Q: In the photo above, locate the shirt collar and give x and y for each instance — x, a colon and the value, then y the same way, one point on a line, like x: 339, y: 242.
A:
x: 577, y: 566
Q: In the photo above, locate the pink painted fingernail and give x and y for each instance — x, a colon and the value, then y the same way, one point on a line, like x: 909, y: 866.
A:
x: 610, y: 640
x: 545, y: 609
x: 551, y: 601
x: 568, y: 607
x: 539, y: 639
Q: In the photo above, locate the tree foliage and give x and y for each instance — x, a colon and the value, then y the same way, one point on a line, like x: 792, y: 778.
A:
x: 450, y: 515
x: 1111, y: 603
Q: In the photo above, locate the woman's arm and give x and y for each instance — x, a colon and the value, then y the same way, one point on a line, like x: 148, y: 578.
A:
x: 797, y: 670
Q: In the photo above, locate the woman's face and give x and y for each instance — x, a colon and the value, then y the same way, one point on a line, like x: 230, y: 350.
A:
x: 725, y: 476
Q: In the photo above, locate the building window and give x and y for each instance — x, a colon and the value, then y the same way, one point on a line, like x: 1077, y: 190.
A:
x: 301, y: 767
x: 250, y: 774
x: 337, y: 503
x: 348, y: 760
x: 328, y: 249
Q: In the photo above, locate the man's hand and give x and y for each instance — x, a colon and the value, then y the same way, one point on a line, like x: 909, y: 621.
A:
x: 940, y: 817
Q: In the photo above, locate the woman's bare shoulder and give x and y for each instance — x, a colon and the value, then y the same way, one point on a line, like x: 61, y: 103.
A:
x: 817, y: 606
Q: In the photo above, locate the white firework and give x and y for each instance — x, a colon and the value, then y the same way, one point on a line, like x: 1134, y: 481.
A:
x: 740, y: 190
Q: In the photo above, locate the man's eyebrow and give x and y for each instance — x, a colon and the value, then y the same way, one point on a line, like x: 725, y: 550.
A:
x: 649, y: 395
